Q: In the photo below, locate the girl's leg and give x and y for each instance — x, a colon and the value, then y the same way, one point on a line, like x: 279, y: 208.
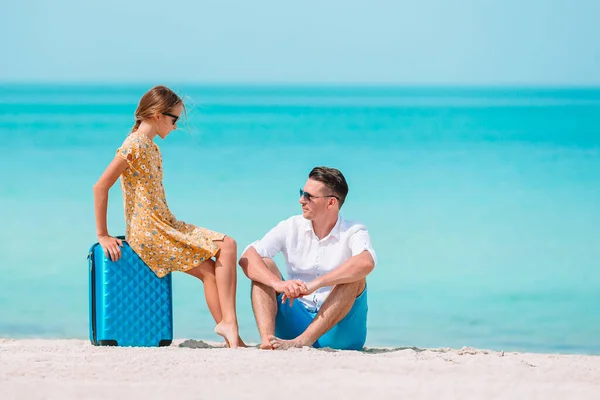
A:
x: 226, y: 275
x: 206, y: 273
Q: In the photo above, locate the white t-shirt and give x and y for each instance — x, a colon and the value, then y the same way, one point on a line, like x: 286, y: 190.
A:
x: 307, y: 257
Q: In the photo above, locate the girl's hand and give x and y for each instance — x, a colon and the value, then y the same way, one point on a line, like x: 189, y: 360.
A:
x: 112, y: 246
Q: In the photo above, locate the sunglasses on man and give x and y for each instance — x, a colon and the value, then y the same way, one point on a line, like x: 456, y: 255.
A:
x: 308, y: 197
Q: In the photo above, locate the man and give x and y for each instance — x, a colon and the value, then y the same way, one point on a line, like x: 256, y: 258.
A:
x: 327, y: 260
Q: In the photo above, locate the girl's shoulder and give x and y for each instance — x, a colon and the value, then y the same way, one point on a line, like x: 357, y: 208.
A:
x: 138, y: 140
x: 134, y: 145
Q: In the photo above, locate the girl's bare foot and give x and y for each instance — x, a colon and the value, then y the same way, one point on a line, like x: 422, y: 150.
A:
x: 230, y: 333
x: 240, y: 342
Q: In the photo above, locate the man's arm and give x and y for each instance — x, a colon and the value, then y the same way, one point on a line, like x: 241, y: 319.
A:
x: 354, y: 269
x: 357, y: 267
x: 255, y: 269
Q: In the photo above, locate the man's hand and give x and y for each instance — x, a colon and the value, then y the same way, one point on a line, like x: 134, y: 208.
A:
x: 306, y: 289
x: 291, y: 290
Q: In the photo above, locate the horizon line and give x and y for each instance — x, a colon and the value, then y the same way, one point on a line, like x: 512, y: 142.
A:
x: 288, y: 84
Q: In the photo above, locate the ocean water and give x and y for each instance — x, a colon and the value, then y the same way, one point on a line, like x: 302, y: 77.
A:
x: 482, y: 204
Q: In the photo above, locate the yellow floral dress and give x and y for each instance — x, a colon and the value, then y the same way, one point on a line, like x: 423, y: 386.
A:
x: 162, y: 242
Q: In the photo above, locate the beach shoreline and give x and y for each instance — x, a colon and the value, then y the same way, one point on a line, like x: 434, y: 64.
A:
x: 74, y: 369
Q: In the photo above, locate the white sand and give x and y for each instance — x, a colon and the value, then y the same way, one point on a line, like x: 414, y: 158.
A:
x: 74, y: 369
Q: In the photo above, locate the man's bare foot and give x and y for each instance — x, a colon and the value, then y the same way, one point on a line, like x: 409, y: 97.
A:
x: 280, y: 344
x: 230, y: 333
x: 265, y: 346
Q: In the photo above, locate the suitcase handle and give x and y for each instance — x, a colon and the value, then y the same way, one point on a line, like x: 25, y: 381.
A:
x: 89, y: 255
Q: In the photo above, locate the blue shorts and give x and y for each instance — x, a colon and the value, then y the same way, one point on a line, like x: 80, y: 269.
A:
x: 348, y: 334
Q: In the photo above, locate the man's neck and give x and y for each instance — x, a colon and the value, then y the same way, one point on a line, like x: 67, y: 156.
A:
x: 322, y: 227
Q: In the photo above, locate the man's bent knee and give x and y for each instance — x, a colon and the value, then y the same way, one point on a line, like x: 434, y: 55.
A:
x: 272, y: 266
x: 358, y: 287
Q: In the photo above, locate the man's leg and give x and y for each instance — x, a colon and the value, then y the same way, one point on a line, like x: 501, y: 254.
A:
x: 334, y: 309
x: 264, y: 304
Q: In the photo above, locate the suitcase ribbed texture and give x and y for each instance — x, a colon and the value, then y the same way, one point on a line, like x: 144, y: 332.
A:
x: 129, y: 304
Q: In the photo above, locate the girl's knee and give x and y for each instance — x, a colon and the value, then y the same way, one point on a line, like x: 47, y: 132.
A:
x: 229, y: 244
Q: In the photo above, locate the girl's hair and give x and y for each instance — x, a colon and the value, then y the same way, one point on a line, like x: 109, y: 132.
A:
x: 157, y: 100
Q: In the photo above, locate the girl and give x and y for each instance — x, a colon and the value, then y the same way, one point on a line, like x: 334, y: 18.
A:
x: 164, y: 243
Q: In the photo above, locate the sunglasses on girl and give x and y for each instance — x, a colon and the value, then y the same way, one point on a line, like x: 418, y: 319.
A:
x: 308, y: 197
x: 175, y: 117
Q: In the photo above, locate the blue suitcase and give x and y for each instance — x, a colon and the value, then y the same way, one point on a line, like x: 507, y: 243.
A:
x: 129, y: 305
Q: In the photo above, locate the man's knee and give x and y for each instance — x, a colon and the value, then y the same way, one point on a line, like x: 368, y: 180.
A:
x: 262, y: 287
x: 272, y: 266
x: 362, y: 285
x: 355, y: 288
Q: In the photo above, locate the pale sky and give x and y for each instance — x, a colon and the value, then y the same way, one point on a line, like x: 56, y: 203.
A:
x: 461, y: 42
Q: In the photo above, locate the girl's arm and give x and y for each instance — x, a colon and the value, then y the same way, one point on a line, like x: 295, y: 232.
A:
x: 110, y: 245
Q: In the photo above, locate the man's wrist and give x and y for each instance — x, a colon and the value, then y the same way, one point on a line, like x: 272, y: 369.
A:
x: 317, y: 283
x: 275, y: 282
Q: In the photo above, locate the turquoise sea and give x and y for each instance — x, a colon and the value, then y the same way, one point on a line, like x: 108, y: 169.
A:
x: 483, y: 204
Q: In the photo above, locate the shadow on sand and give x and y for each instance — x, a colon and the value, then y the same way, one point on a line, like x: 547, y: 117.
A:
x: 200, y: 344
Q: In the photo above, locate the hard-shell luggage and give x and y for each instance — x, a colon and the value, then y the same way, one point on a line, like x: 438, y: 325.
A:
x: 128, y: 304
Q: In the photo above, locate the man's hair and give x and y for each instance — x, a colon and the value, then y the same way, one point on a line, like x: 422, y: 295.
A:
x: 333, y: 179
